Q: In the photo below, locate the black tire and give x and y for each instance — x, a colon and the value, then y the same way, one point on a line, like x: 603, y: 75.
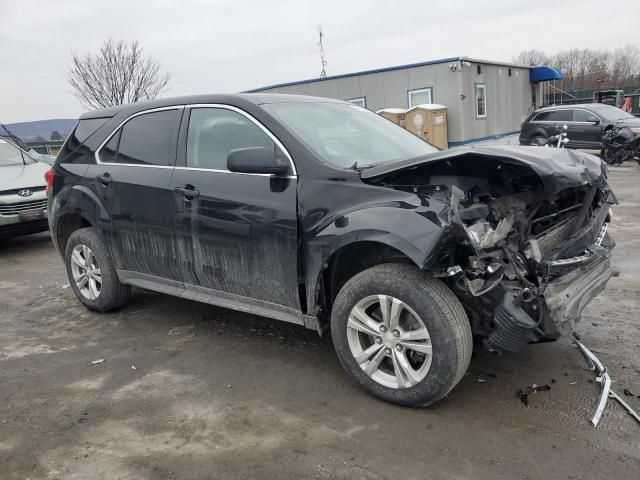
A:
x: 538, y: 141
x: 113, y: 294
x: 439, y: 310
x: 608, y: 157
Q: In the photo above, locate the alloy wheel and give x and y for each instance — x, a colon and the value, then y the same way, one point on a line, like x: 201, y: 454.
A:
x: 389, y: 341
x: 86, y: 272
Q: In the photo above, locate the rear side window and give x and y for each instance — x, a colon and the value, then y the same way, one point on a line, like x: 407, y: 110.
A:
x: 214, y: 132
x: 143, y: 140
x: 560, y: 116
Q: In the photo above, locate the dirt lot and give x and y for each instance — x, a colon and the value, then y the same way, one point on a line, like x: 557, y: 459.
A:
x: 191, y: 391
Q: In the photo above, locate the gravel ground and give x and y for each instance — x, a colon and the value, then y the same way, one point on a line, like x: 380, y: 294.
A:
x: 192, y: 391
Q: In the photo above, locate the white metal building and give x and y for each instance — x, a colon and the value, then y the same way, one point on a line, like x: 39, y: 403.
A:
x: 484, y: 99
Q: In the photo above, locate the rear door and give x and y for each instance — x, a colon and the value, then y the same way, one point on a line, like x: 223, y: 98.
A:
x: 236, y: 232
x: 587, y: 134
x: 132, y: 179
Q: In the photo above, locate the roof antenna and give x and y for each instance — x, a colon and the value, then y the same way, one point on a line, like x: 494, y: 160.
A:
x: 323, y: 59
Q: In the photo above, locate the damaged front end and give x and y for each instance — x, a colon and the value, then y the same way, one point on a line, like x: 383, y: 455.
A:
x: 535, y: 249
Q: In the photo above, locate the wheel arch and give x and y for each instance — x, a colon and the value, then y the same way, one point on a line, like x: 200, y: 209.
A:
x: 74, y: 208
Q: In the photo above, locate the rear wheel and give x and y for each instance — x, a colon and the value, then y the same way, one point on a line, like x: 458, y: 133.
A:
x: 91, y: 273
x: 402, y: 335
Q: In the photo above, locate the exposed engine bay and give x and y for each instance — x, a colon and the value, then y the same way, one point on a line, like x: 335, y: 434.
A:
x: 525, y: 251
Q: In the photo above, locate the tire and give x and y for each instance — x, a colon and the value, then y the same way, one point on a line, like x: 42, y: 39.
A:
x: 111, y: 294
x: 438, y: 310
x: 538, y: 141
x: 608, y: 157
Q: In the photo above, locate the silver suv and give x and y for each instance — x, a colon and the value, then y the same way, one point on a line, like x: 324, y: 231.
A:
x: 23, y: 200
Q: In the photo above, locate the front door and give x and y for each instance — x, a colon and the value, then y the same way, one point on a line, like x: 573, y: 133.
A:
x: 587, y: 134
x: 132, y: 180
x: 238, y: 232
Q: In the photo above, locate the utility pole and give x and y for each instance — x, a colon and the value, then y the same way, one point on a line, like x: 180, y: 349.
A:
x: 323, y: 59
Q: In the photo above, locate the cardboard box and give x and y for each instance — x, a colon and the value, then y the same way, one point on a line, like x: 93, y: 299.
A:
x: 396, y: 115
x: 429, y: 121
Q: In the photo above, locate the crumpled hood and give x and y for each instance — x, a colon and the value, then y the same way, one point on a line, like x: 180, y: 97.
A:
x: 558, y: 168
x: 23, y: 176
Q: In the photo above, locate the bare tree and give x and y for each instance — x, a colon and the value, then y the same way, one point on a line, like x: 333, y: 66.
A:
x: 531, y: 57
x: 586, y: 69
x: 118, y: 73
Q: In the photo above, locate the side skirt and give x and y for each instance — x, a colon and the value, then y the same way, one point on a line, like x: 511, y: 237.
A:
x: 218, y: 298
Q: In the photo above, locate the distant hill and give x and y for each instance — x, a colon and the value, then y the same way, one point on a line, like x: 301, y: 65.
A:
x: 29, y: 131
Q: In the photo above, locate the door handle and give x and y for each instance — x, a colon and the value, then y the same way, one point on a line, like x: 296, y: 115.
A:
x: 104, y: 179
x: 189, y: 192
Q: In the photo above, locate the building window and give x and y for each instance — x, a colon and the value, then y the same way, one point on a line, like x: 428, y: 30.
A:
x: 481, y: 100
x: 360, y: 101
x: 420, y: 96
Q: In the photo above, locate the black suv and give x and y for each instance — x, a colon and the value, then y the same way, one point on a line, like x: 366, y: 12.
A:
x: 323, y: 214
x: 585, y: 124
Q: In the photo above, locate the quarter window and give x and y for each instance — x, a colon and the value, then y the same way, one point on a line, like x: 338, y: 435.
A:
x: 420, y: 96
x: 481, y: 101
x: 214, y: 132
x: 143, y: 140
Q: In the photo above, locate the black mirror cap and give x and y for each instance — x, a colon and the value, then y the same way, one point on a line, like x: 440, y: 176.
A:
x: 593, y: 118
x: 256, y: 160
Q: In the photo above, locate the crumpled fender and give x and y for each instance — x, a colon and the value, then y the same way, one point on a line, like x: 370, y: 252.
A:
x: 413, y: 229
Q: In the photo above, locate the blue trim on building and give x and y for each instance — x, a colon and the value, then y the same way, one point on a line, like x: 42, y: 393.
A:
x: 544, y: 74
x: 482, y: 139
x: 356, y: 74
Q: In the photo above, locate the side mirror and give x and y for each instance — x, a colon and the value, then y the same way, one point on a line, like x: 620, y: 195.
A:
x: 256, y: 160
x: 594, y: 119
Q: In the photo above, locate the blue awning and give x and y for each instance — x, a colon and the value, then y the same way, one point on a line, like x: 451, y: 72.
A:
x: 544, y: 74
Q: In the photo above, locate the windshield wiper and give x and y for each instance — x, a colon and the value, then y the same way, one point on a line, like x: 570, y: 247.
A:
x: 16, y: 141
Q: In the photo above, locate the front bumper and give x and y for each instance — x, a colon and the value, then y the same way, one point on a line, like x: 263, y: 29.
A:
x: 567, y: 296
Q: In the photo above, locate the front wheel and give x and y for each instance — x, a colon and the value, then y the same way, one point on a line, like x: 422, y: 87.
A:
x: 608, y: 156
x: 401, y: 334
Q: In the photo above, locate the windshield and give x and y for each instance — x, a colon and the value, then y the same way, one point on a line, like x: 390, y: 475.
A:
x: 10, y: 155
x: 612, y: 114
x: 345, y: 135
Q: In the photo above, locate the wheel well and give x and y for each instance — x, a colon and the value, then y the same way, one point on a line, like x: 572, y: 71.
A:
x: 68, y: 224
x: 350, y: 260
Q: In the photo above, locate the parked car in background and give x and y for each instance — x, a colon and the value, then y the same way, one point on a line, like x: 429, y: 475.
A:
x: 321, y: 213
x: 585, y: 123
x: 23, y: 201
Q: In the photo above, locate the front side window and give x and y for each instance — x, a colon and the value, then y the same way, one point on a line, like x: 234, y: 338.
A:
x: 214, y: 132
x: 481, y: 101
x: 348, y: 136
x: 420, y: 96
x: 143, y: 140
x: 582, y: 115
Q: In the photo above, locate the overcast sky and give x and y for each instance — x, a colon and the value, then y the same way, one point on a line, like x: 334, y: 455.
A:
x: 229, y: 46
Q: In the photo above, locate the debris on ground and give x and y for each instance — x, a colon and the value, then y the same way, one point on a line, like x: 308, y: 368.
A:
x: 628, y: 392
x: 480, y: 379
x: 606, y: 392
x: 96, y: 362
x: 524, y: 393
x: 628, y: 407
x: 573, y: 383
x: 133, y: 367
x: 180, y: 330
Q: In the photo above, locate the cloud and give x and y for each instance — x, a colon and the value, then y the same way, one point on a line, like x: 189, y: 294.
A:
x: 229, y: 46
